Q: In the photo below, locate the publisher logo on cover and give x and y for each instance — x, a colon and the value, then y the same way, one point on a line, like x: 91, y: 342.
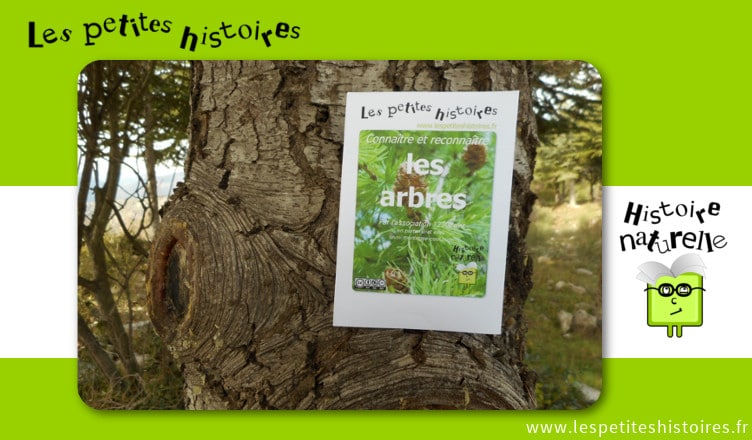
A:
x: 370, y: 283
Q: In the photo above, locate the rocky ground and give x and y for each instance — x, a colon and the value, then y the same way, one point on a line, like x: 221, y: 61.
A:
x: 564, y: 309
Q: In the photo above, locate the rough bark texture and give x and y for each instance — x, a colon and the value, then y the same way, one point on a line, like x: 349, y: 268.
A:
x: 242, y: 271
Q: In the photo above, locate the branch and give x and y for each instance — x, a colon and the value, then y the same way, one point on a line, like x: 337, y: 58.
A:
x: 100, y: 357
x: 137, y: 248
x: 87, y: 284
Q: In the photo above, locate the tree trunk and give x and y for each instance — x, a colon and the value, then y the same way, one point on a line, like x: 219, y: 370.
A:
x: 572, y: 189
x: 95, y: 242
x: 150, y: 161
x: 242, y: 271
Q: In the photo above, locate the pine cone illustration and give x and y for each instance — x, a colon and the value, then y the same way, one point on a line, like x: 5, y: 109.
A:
x: 404, y: 181
x: 475, y: 157
x: 413, y: 214
x: 402, y: 184
x: 396, y: 280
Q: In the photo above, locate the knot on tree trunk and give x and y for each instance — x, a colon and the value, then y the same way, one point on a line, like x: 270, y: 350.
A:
x: 241, y: 281
x: 171, y: 277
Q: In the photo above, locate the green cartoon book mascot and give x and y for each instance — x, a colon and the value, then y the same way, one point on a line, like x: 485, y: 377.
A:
x: 675, y: 294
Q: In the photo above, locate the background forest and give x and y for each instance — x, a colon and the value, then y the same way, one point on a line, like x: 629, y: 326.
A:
x: 132, y: 120
x: 132, y: 129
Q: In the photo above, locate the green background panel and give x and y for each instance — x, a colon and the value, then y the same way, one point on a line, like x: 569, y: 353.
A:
x: 40, y: 401
x: 674, y: 94
x: 673, y: 76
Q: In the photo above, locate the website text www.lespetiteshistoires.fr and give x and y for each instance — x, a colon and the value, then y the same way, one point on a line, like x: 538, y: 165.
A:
x: 630, y: 427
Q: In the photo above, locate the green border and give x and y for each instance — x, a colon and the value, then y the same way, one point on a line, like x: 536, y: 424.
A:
x: 635, y: 390
x: 676, y: 114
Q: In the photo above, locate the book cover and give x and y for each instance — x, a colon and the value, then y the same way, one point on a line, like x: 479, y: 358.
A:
x: 424, y: 210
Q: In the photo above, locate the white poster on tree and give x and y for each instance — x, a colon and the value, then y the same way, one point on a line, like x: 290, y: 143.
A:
x: 424, y: 210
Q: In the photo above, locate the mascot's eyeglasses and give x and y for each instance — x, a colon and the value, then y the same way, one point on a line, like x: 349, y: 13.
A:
x: 667, y: 289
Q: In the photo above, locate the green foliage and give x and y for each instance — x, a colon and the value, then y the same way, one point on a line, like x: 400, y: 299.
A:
x: 559, y: 391
x: 424, y: 243
x: 124, y: 102
x: 568, y: 106
x: 169, y: 88
x: 567, y: 95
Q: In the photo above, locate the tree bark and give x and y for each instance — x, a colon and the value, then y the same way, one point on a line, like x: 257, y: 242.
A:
x: 241, y: 278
